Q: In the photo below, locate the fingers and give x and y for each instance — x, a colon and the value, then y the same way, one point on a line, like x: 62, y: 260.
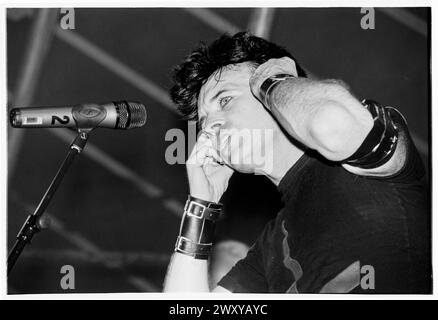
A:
x: 204, y: 152
x: 275, y: 66
x: 271, y: 67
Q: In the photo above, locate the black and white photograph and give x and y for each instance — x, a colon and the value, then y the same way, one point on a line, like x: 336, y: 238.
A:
x: 217, y: 149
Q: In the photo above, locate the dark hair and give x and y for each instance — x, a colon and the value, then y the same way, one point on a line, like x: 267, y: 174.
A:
x: 197, y: 67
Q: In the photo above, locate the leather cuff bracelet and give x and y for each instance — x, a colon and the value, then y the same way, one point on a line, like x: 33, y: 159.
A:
x: 202, y: 209
x: 380, y: 143
x: 269, y: 84
x: 197, y: 228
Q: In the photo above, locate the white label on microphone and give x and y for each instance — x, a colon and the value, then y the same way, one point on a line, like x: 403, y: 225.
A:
x: 33, y: 120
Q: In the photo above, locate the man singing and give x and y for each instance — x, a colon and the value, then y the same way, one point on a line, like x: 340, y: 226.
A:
x: 352, y: 183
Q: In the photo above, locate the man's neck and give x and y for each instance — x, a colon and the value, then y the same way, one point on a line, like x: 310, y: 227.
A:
x: 286, y: 155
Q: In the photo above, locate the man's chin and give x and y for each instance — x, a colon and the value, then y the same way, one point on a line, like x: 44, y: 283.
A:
x: 242, y: 168
x: 250, y: 169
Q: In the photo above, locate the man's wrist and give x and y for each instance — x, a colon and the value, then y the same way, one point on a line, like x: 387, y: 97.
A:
x: 207, y: 203
x: 268, y: 86
x: 197, y: 228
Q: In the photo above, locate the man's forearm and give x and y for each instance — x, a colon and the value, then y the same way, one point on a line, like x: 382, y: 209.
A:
x: 186, y: 274
x: 322, y: 115
x: 188, y: 268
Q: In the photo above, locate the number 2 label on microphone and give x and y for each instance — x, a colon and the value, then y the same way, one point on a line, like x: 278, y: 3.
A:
x: 64, y: 120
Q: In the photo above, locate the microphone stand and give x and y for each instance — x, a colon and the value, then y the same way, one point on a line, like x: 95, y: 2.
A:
x: 33, y: 223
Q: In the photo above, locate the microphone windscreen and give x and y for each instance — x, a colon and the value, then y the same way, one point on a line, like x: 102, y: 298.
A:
x: 131, y: 114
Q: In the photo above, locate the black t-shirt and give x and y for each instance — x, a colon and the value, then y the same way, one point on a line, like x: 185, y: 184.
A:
x: 340, y: 232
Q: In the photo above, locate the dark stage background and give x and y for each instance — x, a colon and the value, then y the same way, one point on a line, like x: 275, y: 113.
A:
x: 116, y: 216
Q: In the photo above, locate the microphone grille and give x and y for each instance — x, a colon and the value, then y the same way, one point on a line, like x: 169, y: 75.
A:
x: 138, y: 115
x: 131, y: 114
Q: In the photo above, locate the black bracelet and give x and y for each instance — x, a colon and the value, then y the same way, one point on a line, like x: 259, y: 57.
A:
x: 208, y: 204
x: 380, y: 143
x: 269, y: 84
x: 197, y: 228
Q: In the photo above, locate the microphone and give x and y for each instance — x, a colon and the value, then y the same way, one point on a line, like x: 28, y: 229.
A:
x: 114, y: 115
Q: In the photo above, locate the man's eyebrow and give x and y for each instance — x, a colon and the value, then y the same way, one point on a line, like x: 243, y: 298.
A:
x: 219, y: 93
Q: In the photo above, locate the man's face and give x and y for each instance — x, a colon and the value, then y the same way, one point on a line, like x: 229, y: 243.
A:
x: 241, y: 128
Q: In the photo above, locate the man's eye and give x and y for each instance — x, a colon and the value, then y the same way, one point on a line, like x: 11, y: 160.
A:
x: 224, y: 101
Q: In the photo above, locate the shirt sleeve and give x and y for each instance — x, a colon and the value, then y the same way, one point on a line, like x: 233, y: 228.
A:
x: 248, y: 275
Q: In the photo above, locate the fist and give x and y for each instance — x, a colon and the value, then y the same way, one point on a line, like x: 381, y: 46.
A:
x: 208, y: 175
x: 271, y: 67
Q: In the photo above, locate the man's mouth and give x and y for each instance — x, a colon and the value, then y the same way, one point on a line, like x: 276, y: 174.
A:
x: 223, y: 147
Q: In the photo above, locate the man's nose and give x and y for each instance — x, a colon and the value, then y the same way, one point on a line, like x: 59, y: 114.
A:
x: 213, y: 126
